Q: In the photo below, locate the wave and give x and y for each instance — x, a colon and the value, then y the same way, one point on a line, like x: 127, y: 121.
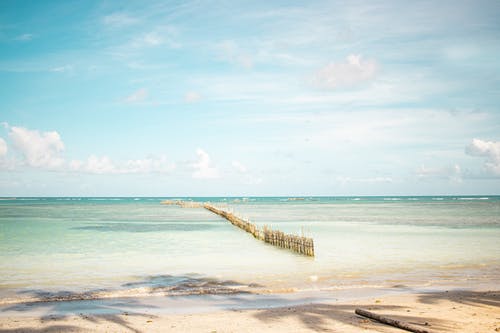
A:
x: 474, y: 198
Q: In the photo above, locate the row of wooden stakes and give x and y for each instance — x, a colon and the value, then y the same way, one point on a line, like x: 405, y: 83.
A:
x: 183, y: 204
x: 299, y: 244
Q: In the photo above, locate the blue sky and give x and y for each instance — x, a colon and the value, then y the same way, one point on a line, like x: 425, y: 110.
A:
x: 109, y: 98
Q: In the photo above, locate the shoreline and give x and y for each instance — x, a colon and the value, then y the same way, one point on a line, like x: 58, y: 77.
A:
x: 451, y: 310
x: 192, y: 285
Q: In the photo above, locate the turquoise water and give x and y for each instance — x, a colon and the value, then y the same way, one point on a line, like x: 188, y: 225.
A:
x: 49, y: 245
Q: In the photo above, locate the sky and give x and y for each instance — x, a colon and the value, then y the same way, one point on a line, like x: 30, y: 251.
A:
x: 242, y: 98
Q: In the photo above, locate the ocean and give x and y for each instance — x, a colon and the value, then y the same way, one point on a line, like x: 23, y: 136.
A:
x: 103, y: 247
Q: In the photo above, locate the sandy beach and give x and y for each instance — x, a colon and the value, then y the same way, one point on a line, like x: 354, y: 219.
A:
x: 442, y: 311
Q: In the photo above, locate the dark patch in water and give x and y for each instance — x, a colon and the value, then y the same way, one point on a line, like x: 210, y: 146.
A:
x: 147, y: 227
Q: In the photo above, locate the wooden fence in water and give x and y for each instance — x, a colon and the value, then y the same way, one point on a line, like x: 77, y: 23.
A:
x: 299, y: 244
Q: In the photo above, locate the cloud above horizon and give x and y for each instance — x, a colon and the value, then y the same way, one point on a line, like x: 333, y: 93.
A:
x: 105, y: 165
x: 452, y: 173
x: 354, y: 70
x: 42, y: 150
x: 3, y: 147
x: 203, y: 168
x: 240, y: 167
x: 39, y: 149
x: 490, y: 150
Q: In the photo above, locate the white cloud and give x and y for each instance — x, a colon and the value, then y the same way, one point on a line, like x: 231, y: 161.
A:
x: 252, y: 180
x: 192, y: 97
x: 104, y: 165
x: 244, y: 175
x: 137, y: 96
x: 40, y: 150
x: 488, y: 149
x: 148, y: 165
x: 345, y: 180
x: 203, y: 168
x: 452, y: 173
x: 119, y: 20
x: 75, y: 165
x: 95, y: 164
x: 3, y: 147
x: 346, y: 74
x: 238, y: 166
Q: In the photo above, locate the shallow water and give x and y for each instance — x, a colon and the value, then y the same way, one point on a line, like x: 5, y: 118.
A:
x: 49, y: 245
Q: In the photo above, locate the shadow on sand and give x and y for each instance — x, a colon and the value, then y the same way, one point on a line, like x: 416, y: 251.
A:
x: 318, y: 317
x: 98, y: 306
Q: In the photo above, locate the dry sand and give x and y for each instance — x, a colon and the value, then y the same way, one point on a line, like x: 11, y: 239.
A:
x: 454, y: 311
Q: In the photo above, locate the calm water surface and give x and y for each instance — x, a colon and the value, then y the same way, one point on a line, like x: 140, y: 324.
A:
x: 82, y: 244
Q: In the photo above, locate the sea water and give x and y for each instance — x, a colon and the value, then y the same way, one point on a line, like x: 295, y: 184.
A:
x: 79, y: 245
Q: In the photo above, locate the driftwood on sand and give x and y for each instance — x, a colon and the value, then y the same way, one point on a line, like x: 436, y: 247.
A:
x: 391, y: 322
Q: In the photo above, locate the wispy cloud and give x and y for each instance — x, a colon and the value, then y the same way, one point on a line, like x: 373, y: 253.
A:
x: 452, y: 173
x: 94, y: 164
x: 105, y: 165
x: 229, y: 51
x: 159, y: 36
x: 240, y: 167
x: 352, y: 71
x: 62, y: 69
x: 24, y: 37
x: 192, y: 97
x: 244, y: 175
x: 153, y: 39
x: 346, y: 180
x: 119, y: 20
x: 137, y: 96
